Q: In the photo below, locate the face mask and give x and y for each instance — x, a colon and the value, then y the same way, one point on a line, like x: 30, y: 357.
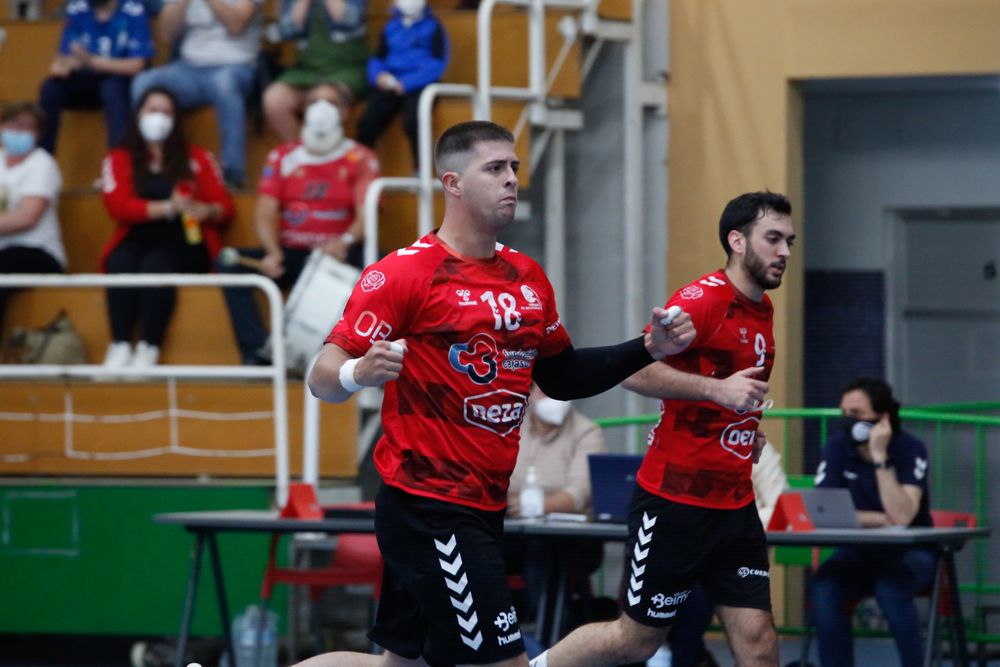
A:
x: 551, y: 411
x: 858, y: 430
x: 155, y: 126
x: 18, y: 142
x: 321, y: 131
x: 411, y: 9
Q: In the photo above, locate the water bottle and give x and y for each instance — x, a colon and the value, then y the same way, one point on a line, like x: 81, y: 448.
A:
x: 246, y: 626
x: 532, y: 496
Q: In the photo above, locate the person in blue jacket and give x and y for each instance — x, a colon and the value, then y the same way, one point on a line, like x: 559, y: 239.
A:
x: 412, y: 54
x: 104, y: 44
x: 885, y: 469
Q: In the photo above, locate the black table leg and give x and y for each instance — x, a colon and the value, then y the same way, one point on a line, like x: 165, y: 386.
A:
x: 933, y: 614
x: 189, y: 598
x: 961, y: 659
x: 220, y: 592
x: 562, y: 575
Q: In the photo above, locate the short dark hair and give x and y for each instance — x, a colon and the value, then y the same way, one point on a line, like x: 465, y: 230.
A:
x: 463, y: 138
x: 879, y: 393
x: 342, y: 89
x: 742, y: 212
x: 15, y: 109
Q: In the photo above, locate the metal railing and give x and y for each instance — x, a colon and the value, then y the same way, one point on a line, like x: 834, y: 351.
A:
x: 275, y: 372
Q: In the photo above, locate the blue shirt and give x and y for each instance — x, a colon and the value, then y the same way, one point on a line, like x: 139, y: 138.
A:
x: 125, y: 35
x: 842, y: 467
x: 415, y: 54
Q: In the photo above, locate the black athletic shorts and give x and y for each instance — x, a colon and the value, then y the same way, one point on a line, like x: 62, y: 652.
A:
x: 444, y: 587
x: 671, y: 546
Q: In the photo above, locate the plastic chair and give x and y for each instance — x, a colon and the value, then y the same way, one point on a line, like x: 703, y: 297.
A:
x: 356, y: 559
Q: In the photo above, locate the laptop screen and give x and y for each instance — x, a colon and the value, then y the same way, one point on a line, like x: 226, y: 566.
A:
x: 830, y: 508
x: 612, y: 481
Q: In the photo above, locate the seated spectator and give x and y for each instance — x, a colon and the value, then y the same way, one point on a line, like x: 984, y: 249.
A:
x: 169, y: 202
x: 686, y: 635
x: 30, y: 238
x: 104, y: 44
x: 311, y: 195
x: 332, y: 47
x: 885, y: 470
x: 219, y: 45
x: 555, y: 441
x: 412, y: 54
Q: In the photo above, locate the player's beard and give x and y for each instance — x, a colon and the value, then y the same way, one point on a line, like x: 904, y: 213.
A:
x: 757, y: 269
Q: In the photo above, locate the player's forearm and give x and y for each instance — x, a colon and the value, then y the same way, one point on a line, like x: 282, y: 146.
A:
x: 170, y: 23
x: 117, y: 66
x: 899, y: 507
x: 573, y: 373
x: 665, y: 382
x: 266, y: 224
x: 324, y: 379
x: 869, y: 519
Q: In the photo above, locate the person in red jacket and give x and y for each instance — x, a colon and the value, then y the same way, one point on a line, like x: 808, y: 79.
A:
x: 170, y: 204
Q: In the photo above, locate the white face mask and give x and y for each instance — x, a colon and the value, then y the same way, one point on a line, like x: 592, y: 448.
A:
x: 411, y: 9
x: 155, y: 126
x: 551, y: 411
x: 322, y: 131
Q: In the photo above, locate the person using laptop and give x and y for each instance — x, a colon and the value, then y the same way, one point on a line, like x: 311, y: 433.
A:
x: 885, y: 470
x: 556, y: 440
x: 692, y: 517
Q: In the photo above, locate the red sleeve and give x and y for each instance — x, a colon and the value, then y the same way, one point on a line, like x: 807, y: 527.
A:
x: 555, y: 338
x: 368, y: 171
x: 380, y: 308
x: 270, y: 177
x: 211, y: 188
x: 119, y: 196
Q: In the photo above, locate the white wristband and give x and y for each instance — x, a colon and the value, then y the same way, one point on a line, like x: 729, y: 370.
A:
x: 347, y: 380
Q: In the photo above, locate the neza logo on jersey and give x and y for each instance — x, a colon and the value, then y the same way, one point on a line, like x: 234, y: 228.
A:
x: 500, y: 411
x: 477, y: 358
x: 738, y: 437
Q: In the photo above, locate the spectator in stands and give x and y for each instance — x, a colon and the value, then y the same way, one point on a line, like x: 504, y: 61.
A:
x: 686, y: 635
x: 885, y: 470
x: 311, y: 195
x: 30, y: 239
x: 170, y: 203
x: 104, y: 44
x: 332, y: 47
x: 219, y: 45
x: 556, y: 440
x: 412, y: 54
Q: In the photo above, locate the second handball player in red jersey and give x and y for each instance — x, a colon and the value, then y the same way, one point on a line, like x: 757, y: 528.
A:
x: 692, y: 519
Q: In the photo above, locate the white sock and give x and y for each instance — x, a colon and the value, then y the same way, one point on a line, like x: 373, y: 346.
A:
x: 541, y: 661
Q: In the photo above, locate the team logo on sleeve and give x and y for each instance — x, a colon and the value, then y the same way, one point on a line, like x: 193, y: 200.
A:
x: 372, y: 281
x: 477, y: 358
x: 692, y: 292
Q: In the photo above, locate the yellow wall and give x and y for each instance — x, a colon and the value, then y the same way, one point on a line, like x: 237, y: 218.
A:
x: 736, y: 112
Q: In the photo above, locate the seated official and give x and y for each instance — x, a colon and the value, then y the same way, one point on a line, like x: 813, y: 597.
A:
x: 555, y: 442
x: 885, y: 470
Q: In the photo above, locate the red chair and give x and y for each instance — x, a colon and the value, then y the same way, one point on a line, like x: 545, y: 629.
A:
x: 356, y: 558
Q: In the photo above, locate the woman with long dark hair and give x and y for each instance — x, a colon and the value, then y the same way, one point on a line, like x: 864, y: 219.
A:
x: 169, y: 201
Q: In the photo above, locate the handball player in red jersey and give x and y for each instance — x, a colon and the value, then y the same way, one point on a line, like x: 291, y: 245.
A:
x: 456, y: 327
x: 692, y: 518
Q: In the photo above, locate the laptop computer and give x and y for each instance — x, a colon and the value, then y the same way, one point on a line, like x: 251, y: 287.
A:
x: 612, y: 481
x: 830, y: 508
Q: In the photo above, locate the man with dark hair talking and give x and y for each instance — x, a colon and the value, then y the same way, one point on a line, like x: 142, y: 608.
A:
x: 456, y: 326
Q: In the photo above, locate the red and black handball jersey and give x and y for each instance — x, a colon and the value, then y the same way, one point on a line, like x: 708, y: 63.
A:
x: 473, y: 330
x: 317, y: 195
x: 699, y: 452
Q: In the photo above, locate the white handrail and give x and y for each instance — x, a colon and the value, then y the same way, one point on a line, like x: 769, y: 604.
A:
x: 276, y: 372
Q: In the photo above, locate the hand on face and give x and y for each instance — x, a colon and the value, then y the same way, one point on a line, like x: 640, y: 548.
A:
x: 878, y: 440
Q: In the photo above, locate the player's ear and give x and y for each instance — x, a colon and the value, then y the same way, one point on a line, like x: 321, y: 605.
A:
x: 737, y: 241
x: 452, y: 182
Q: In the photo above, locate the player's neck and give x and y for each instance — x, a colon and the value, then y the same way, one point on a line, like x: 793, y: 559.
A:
x: 467, y: 240
x: 743, y: 283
